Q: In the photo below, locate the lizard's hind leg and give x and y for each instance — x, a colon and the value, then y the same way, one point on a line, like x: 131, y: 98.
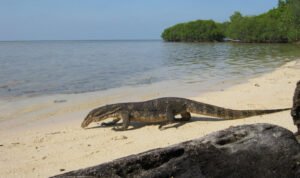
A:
x: 185, y: 116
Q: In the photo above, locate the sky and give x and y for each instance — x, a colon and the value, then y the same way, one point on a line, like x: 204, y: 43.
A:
x: 112, y: 19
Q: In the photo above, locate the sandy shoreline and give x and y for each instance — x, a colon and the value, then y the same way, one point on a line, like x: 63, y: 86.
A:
x: 40, y: 137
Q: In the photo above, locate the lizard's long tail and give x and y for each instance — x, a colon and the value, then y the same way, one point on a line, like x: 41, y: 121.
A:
x: 224, y: 113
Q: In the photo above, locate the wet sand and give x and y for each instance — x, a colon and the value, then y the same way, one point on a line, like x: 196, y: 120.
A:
x: 41, y: 136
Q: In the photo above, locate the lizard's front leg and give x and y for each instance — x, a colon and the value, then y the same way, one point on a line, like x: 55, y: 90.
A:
x: 111, y: 123
x: 125, y: 117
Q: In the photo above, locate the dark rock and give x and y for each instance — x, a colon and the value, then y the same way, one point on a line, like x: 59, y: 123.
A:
x: 295, y: 112
x: 260, y: 150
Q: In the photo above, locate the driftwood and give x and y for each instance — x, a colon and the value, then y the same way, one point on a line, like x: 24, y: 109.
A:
x: 259, y: 150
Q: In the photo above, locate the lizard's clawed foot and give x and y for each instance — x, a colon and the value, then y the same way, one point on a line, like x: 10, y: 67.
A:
x: 161, y: 128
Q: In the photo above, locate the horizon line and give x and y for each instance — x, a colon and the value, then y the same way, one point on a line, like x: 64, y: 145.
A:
x: 82, y: 40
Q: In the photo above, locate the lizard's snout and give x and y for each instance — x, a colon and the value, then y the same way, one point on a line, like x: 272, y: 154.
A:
x: 86, y: 121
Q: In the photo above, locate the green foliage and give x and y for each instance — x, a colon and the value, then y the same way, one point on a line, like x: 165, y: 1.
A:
x: 195, y: 31
x: 292, y: 14
x: 266, y: 27
x: 277, y: 25
x: 281, y: 24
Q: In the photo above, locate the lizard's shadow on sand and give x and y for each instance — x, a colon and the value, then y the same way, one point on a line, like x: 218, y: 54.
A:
x: 178, y: 123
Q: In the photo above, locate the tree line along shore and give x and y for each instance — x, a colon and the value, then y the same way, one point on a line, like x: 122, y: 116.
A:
x: 278, y: 25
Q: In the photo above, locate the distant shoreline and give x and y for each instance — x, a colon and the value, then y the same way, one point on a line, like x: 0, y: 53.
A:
x: 137, y: 40
x: 234, y: 42
x: 81, y: 40
x: 278, y: 25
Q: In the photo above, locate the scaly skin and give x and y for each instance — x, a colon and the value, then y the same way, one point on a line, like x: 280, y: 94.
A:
x: 163, y: 110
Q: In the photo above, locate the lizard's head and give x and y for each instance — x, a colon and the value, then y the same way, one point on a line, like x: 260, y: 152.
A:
x: 99, y: 114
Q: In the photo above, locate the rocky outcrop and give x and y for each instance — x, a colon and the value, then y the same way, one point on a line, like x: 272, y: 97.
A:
x: 295, y: 112
x: 260, y: 150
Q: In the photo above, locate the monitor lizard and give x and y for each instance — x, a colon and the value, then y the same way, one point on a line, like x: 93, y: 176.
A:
x: 163, y: 111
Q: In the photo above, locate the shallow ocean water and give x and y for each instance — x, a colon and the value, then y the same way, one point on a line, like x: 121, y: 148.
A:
x: 30, y: 68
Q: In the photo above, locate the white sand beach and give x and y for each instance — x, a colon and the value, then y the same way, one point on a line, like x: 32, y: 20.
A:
x: 42, y: 137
